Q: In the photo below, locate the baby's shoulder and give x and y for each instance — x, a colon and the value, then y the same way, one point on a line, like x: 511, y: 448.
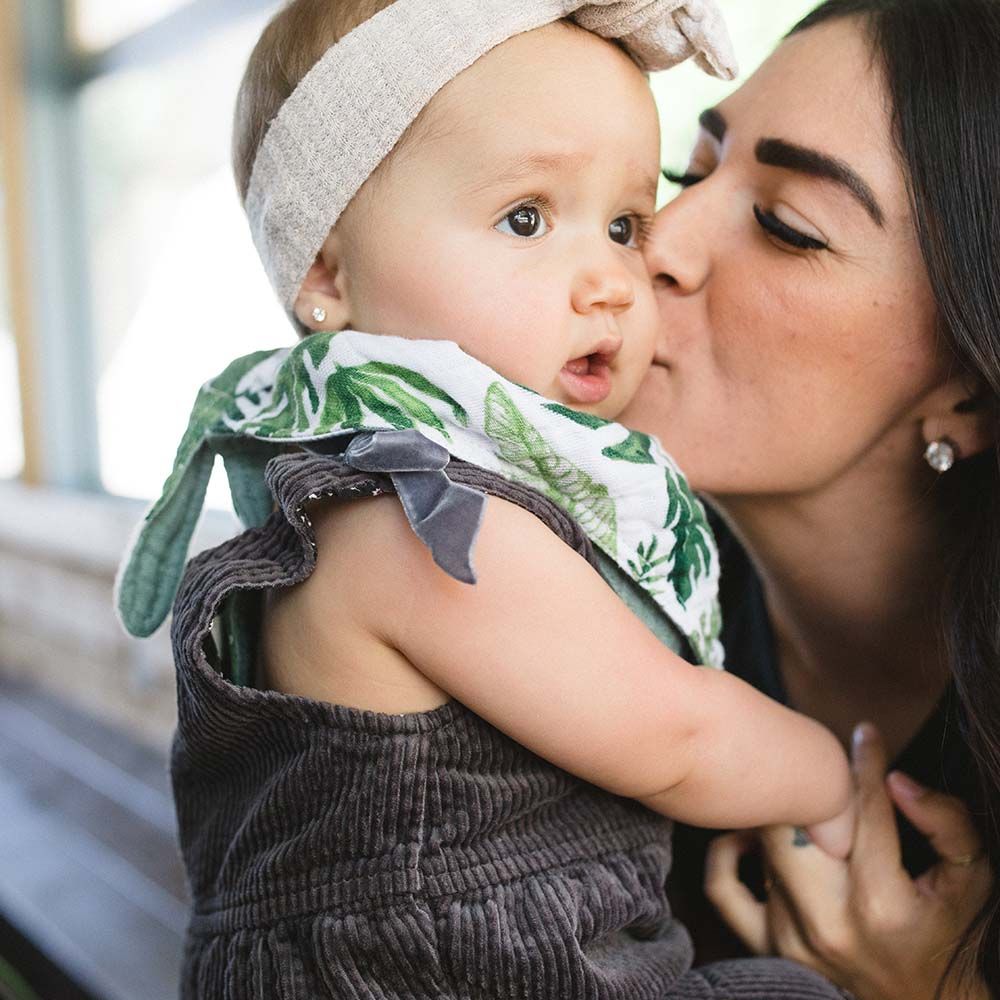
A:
x: 346, y: 631
x: 323, y: 638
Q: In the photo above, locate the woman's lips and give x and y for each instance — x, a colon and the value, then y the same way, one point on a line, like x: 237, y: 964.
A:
x: 587, y: 379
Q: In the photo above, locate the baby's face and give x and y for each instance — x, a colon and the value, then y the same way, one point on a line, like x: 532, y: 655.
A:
x: 512, y: 223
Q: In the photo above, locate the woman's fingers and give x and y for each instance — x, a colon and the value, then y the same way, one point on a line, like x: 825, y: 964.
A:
x: 946, y: 823
x: 787, y: 935
x: 876, y: 853
x: 944, y: 820
x: 735, y: 902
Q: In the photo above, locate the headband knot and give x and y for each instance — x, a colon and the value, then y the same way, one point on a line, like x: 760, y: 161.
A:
x: 659, y: 34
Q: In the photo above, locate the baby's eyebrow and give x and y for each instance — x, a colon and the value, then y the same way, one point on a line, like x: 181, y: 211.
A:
x: 531, y: 164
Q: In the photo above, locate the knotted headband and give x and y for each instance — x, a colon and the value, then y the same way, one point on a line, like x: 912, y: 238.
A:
x: 354, y: 105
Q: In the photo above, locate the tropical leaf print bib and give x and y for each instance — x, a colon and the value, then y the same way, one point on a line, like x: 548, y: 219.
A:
x: 619, y: 485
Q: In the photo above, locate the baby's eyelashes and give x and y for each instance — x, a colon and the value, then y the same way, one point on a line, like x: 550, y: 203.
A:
x: 526, y: 222
x: 529, y: 222
x: 630, y: 230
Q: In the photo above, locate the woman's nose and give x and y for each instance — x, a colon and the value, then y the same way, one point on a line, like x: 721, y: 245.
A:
x: 603, y: 286
x: 676, y: 250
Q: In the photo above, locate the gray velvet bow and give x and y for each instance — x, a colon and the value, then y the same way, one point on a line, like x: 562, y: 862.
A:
x: 445, y: 516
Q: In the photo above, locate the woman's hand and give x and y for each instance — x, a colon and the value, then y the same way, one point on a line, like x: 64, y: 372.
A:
x: 864, y: 923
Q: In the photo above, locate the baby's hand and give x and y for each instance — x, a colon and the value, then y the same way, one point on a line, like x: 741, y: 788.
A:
x: 835, y: 836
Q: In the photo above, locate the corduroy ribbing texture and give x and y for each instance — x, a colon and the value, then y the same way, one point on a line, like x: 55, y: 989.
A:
x: 340, y: 853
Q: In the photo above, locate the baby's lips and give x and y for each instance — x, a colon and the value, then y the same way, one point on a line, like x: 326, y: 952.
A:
x: 586, y: 380
x: 603, y: 352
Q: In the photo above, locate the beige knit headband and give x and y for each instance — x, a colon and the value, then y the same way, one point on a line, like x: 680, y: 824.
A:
x: 354, y: 105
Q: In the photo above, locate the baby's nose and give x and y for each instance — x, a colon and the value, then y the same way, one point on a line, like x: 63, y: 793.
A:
x: 606, y: 287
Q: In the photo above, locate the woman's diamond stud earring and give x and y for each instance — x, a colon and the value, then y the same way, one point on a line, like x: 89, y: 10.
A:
x: 941, y: 455
x: 319, y: 314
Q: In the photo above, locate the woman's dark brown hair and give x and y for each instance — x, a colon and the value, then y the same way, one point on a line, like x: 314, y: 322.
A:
x: 941, y: 60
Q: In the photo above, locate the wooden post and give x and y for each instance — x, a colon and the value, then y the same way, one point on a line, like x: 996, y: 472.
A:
x: 15, y: 231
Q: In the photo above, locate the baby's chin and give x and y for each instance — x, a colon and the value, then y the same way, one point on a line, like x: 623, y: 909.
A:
x: 608, y: 408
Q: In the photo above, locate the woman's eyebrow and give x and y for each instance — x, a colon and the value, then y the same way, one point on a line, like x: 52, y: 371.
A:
x: 778, y: 153
x: 713, y: 123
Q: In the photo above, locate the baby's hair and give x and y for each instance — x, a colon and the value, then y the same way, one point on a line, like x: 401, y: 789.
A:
x: 292, y: 43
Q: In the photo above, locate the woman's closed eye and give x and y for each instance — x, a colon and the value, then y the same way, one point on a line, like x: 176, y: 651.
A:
x: 684, y: 180
x: 771, y: 224
x: 767, y: 221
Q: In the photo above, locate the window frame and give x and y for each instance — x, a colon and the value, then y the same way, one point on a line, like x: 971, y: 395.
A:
x: 51, y: 308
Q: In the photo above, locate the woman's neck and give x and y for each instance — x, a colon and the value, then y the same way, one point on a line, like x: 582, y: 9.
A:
x: 851, y: 576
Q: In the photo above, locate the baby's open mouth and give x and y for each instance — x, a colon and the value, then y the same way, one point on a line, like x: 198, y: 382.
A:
x: 587, y: 379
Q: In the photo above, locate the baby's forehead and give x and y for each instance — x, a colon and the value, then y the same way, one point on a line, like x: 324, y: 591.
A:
x: 550, y: 69
x: 511, y: 115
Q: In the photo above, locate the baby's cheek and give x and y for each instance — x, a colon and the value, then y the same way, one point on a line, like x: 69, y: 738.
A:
x: 509, y: 330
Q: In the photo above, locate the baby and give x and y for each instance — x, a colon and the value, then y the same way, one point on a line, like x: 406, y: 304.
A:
x: 434, y: 788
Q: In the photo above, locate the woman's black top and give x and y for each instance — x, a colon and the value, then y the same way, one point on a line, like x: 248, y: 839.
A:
x: 937, y: 756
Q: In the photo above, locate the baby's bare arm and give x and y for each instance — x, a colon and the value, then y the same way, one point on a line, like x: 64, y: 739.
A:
x: 544, y: 650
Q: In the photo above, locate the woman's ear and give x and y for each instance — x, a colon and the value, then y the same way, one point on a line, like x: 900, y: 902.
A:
x: 963, y: 411
x: 322, y: 302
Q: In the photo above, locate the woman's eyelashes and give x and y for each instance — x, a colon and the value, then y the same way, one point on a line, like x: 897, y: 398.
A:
x: 530, y: 221
x: 684, y: 180
x: 771, y: 224
x: 768, y: 221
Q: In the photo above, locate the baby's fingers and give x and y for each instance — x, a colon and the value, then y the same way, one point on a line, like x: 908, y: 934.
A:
x: 835, y: 836
x: 735, y: 902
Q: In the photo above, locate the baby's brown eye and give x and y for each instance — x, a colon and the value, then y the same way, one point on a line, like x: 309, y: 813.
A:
x: 526, y: 222
x: 622, y: 230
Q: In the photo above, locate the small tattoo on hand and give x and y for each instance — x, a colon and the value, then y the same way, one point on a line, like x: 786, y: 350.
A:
x: 801, y: 838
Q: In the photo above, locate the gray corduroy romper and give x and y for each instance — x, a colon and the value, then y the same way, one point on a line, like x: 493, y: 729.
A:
x: 340, y: 853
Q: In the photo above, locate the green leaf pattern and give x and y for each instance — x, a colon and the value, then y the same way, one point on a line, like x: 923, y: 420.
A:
x: 691, y: 557
x: 647, y: 563
x: 618, y: 484
x: 688, y: 566
x: 541, y: 466
x: 312, y: 395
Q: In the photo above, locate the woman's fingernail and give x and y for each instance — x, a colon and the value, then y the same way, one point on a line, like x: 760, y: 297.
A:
x: 905, y: 785
x: 863, y: 733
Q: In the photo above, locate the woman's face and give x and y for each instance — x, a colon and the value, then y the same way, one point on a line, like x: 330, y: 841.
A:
x: 797, y: 327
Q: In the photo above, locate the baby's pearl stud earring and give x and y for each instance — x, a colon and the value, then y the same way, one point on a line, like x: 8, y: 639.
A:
x: 319, y: 314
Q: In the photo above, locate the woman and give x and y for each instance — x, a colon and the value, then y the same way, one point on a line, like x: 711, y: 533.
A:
x: 830, y: 291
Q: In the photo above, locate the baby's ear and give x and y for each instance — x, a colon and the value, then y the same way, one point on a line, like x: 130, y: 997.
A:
x: 322, y: 302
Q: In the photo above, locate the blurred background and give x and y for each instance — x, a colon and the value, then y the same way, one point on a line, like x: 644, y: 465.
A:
x: 127, y: 278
